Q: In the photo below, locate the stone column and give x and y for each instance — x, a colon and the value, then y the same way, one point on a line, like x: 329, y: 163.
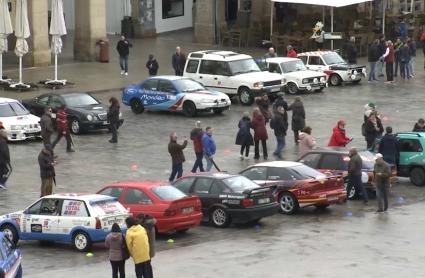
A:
x: 143, y: 17
x: 38, y: 43
x: 90, y: 26
x: 208, y: 14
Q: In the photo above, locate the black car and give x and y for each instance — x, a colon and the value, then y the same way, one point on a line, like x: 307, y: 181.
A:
x: 84, y: 111
x: 229, y: 198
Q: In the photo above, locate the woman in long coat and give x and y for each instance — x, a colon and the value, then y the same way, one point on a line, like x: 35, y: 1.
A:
x: 244, y: 136
x: 260, y: 133
x: 298, y: 117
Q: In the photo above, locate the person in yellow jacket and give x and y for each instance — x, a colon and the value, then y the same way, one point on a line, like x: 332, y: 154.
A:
x: 138, y: 246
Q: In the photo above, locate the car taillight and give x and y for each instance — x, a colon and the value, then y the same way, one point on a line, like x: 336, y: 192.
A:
x: 247, y: 202
x: 170, y: 212
x: 98, y: 224
x: 198, y: 206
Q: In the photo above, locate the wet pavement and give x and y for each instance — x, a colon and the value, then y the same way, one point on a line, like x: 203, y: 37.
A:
x: 348, y: 238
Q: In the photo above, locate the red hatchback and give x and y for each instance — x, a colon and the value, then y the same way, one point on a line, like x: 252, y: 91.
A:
x: 173, y: 210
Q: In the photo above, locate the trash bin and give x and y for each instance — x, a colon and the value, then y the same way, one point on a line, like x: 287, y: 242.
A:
x: 127, y: 27
x: 103, y: 50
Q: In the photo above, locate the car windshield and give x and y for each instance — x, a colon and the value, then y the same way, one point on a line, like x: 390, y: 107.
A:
x: 168, y: 193
x: 243, y: 66
x: 107, y: 207
x: 12, y: 109
x: 303, y: 172
x: 368, y: 159
x: 332, y: 59
x: 79, y: 100
x: 188, y: 85
x: 239, y: 184
x: 292, y: 66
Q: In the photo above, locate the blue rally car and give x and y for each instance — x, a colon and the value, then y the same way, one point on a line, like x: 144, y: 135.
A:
x: 10, y: 258
x: 174, y: 93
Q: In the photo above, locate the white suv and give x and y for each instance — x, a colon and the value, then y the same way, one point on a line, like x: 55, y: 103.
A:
x: 232, y: 73
x: 298, y: 77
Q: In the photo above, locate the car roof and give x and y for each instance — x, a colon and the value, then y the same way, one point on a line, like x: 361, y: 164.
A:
x: 315, y: 53
x: 138, y: 184
x: 7, y: 100
x: 411, y: 134
x: 80, y: 196
x: 282, y: 59
x: 335, y: 150
x: 168, y: 77
x: 280, y: 164
x: 216, y: 175
x: 220, y: 55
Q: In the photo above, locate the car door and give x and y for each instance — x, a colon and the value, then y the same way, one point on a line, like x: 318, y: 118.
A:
x: 74, y: 213
x: 201, y: 188
x: 9, y: 259
x: 256, y: 174
x: 215, y: 75
x: 137, y: 201
x: 185, y: 185
x: 411, y: 152
x: 54, y: 102
x: 191, y: 69
x: 37, y: 107
x: 168, y: 92
x: 148, y: 92
x: 315, y: 63
x: 40, y: 221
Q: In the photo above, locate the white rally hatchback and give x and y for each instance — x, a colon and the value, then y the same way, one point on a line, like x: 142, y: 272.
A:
x: 19, y: 123
x: 78, y: 219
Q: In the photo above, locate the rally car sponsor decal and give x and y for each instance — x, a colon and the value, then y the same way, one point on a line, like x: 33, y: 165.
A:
x: 36, y: 228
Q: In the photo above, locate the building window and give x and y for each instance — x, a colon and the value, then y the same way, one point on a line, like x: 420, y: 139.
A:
x: 172, y: 8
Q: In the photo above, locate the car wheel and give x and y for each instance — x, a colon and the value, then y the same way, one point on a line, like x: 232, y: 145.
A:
x: 218, y: 110
x: 335, y: 80
x: 417, y: 176
x: 189, y: 109
x: 245, y: 97
x: 292, y: 88
x: 321, y: 207
x: 219, y: 217
x: 137, y: 106
x: 75, y: 126
x: 10, y: 232
x: 353, y: 192
x: 288, y: 203
x: 82, y: 241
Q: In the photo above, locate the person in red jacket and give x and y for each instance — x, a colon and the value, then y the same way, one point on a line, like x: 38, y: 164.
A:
x: 63, y: 128
x: 423, y: 44
x: 196, y: 136
x: 258, y: 124
x: 388, y: 58
x: 291, y: 53
x: 338, y: 138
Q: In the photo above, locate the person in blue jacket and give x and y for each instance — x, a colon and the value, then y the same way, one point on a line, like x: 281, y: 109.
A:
x: 209, y: 147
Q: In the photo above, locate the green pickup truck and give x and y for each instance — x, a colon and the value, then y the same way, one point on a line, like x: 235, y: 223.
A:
x: 412, y: 156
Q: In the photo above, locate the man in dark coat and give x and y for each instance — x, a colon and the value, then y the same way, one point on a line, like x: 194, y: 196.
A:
x: 382, y: 175
x: 63, y: 128
x: 388, y: 147
x: 351, y: 51
x: 298, y: 117
x: 280, y: 126
x: 113, y: 117
x: 263, y: 104
x: 47, y: 170
x: 123, y: 48
x: 382, y: 46
x: 355, y: 174
x: 152, y: 65
x: 178, y: 61
x: 177, y: 156
x: 196, y: 136
x: 4, y: 159
x: 373, y: 57
x: 404, y: 61
x: 46, y: 125
x: 419, y: 126
x: 280, y: 101
x: 373, y: 130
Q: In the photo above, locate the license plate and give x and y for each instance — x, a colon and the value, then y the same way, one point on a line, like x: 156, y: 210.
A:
x: 187, y: 210
x: 275, y: 90
x: 263, y: 201
x: 332, y: 198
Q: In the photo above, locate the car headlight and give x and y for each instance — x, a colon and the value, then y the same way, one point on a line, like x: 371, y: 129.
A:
x: 207, y: 100
x: 315, y: 80
x: 322, y: 79
x: 258, y: 85
x: 305, y: 81
x: 364, y: 70
x: 90, y: 117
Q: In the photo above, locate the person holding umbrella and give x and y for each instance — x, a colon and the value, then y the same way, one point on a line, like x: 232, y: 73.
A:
x: 4, y: 159
x: 63, y: 128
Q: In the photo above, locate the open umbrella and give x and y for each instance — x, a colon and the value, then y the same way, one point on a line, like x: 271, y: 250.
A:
x: 57, y: 29
x: 22, y: 32
x: 5, y: 30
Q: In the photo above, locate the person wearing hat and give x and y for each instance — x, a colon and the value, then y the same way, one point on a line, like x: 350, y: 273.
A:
x: 290, y: 52
x: 419, y: 126
x: 382, y: 175
x: 47, y: 170
x: 355, y: 174
x: 4, y: 159
x: 338, y: 137
x: 196, y: 136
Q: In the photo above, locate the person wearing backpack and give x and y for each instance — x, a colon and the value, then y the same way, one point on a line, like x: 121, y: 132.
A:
x: 115, y: 243
x: 280, y: 126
